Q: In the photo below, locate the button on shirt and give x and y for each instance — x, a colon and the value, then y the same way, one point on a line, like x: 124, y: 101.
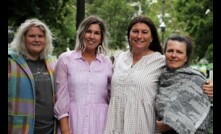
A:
x: 83, y: 92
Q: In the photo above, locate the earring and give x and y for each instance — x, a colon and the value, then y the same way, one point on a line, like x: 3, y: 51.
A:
x: 99, y: 49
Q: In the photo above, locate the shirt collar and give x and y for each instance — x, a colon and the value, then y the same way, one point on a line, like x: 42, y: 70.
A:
x: 78, y: 55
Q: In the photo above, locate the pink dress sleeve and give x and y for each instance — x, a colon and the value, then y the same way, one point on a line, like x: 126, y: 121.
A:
x: 62, y: 93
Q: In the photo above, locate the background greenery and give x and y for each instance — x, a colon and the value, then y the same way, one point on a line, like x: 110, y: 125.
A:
x: 189, y: 17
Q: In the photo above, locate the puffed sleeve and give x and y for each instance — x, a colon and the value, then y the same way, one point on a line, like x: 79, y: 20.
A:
x: 61, y: 106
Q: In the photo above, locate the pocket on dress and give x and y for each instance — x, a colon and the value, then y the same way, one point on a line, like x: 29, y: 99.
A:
x: 18, y: 124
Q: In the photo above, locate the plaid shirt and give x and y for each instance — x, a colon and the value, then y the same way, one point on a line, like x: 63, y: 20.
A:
x: 21, y: 93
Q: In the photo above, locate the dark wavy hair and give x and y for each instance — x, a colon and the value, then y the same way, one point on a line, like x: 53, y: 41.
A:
x: 155, y: 44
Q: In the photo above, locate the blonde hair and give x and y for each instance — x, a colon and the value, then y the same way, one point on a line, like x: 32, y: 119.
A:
x: 103, y: 46
x: 18, y: 43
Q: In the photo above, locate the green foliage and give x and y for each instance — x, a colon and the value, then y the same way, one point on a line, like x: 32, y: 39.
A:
x: 186, y: 17
x: 59, y: 15
x: 199, y: 25
x: 209, y: 53
x: 117, y: 15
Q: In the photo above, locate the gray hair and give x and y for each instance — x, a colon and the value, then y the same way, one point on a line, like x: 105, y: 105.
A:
x: 103, y: 46
x: 18, y: 43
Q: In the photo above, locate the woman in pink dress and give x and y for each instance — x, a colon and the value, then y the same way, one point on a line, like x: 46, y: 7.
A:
x: 83, y: 81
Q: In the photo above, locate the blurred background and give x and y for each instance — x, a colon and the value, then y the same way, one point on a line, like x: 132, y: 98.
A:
x: 187, y: 17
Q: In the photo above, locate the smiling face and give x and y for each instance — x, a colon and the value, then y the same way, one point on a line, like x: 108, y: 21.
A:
x: 92, y: 37
x: 176, y: 55
x: 140, y: 36
x: 34, y: 42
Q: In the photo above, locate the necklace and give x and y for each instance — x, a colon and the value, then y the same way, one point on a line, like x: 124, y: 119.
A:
x: 38, y: 72
x: 37, y: 68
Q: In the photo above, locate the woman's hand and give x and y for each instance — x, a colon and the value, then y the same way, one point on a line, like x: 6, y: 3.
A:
x: 64, y: 125
x: 208, y: 88
x: 161, y: 127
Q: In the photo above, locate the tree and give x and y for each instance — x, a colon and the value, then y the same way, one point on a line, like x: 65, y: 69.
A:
x: 80, y: 12
x: 181, y: 16
x: 198, y: 16
x: 117, y: 15
x: 57, y: 14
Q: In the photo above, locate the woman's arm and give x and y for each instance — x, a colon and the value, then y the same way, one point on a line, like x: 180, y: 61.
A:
x: 208, y: 88
x: 161, y: 127
x: 64, y: 125
x: 61, y: 107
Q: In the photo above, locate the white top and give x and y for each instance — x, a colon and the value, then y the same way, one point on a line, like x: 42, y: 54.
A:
x: 133, y: 91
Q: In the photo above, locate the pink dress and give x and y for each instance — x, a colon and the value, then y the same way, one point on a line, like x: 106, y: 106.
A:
x: 83, y: 92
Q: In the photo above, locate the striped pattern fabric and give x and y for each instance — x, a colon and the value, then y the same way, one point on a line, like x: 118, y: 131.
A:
x: 83, y: 92
x: 21, y: 94
x: 133, y: 91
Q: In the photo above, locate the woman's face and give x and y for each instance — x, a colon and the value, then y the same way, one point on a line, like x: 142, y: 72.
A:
x: 92, y: 37
x: 175, y: 54
x: 140, y: 36
x: 34, y: 42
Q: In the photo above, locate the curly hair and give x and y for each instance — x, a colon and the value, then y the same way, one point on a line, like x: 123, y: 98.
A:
x: 18, y: 43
